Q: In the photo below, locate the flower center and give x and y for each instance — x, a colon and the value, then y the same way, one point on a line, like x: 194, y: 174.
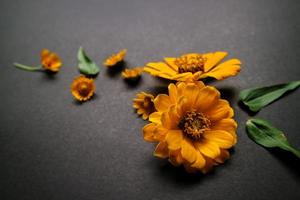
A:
x: 147, y: 102
x: 83, y: 89
x: 194, y: 124
x: 190, y: 64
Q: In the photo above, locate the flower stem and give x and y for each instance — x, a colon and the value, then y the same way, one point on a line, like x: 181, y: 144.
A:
x: 27, y: 68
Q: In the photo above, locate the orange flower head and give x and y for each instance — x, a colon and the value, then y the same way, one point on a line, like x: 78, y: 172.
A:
x: 194, y: 66
x: 50, y: 61
x: 83, y: 88
x: 144, y: 104
x: 115, y: 58
x: 193, y: 126
x: 132, y: 73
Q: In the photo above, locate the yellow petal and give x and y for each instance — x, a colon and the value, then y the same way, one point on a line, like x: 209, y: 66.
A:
x: 185, y: 77
x: 208, y: 148
x: 170, y: 62
x: 219, y: 111
x: 213, y: 60
x: 207, y: 97
x: 222, y: 138
x: 208, y: 165
x: 223, y: 156
x: 228, y: 125
x: 160, y: 133
x: 182, y: 106
x: 161, y: 67
x: 45, y: 53
x: 200, y: 161
x: 224, y: 70
x: 175, y: 158
x: 165, y: 120
x: 191, y: 91
x: 161, y: 150
x: 173, y: 115
x: 162, y: 102
x: 188, y: 151
x: 145, y: 116
x: 174, y: 139
x: 172, y: 92
x: 180, y: 88
x: 155, y: 117
x: 148, y: 132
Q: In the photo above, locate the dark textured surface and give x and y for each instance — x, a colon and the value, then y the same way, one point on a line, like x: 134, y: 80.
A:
x: 53, y: 148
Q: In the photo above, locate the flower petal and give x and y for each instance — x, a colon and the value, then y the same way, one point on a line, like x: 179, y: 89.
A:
x: 188, y: 151
x: 224, y: 70
x: 158, y: 67
x: 155, y: 117
x: 174, y: 139
x: 213, y: 60
x: 173, y: 115
x: 148, y: 132
x: 208, y: 148
x: 208, y: 165
x: 170, y: 62
x: 162, y: 102
x: 228, y: 125
x: 182, y: 106
x: 200, y: 161
x: 222, y: 138
x: 224, y: 155
x: 166, y: 121
x: 161, y: 150
x: 187, y: 76
x: 220, y: 111
x: 172, y: 92
x: 175, y: 158
x: 207, y: 97
x: 191, y: 91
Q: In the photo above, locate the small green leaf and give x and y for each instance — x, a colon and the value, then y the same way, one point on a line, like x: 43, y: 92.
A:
x: 257, y: 98
x: 86, y: 66
x: 264, y: 134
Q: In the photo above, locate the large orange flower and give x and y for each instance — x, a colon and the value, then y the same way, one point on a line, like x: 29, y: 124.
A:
x: 193, y: 126
x: 194, y: 66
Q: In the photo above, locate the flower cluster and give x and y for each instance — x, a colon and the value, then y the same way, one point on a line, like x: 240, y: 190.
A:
x: 191, y: 125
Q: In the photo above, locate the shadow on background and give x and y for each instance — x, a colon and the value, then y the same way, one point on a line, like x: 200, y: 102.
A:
x: 116, y: 70
x: 288, y: 160
x: 133, y: 83
x: 161, y: 89
x: 179, y: 177
x: 246, y: 109
x: 48, y: 75
x: 228, y: 93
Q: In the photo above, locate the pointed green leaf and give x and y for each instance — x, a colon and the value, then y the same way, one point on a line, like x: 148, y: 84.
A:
x: 86, y: 66
x: 263, y: 133
x: 257, y: 98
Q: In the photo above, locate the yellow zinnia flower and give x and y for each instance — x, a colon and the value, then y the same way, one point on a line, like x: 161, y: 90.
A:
x: 115, y: 58
x: 194, y: 66
x: 83, y: 88
x: 50, y: 61
x: 193, y: 126
x: 144, y: 104
x: 132, y: 73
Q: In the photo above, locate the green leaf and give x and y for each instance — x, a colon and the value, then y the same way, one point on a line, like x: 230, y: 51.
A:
x: 263, y: 133
x: 86, y: 66
x: 257, y: 98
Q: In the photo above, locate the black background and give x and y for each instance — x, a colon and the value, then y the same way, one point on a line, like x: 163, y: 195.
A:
x: 54, y: 148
